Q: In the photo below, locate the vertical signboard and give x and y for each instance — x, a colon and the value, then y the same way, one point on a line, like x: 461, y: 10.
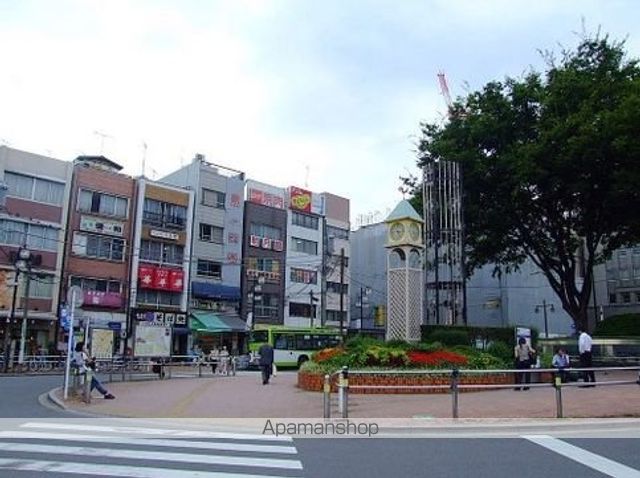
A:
x: 233, y: 232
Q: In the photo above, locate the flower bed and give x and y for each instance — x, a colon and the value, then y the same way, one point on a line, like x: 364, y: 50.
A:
x: 313, y: 381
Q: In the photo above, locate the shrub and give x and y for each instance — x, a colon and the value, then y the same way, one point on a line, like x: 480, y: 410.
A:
x: 501, y: 351
x: 626, y: 325
x: 485, y: 361
x: 427, y: 347
x: 450, y: 337
x: 325, y: 355
x: 440, y: 358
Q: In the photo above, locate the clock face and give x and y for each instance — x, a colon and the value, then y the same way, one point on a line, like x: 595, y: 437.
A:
x: 414, y: 232
x: 397, y: 231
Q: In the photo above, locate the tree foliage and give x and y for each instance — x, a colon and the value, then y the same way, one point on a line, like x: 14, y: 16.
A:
x: 551, y: 165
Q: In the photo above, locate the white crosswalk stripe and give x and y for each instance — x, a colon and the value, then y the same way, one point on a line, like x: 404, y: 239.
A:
x: 117, y: 451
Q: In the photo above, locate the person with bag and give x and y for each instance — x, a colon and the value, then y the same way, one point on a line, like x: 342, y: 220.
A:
x: 523, y: 356
x: 84, y: 363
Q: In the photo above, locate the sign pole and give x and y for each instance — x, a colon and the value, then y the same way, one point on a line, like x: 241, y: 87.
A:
x: 67, y: 368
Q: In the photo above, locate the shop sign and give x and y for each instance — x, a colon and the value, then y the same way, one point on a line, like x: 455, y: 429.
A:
x: 172, y: 236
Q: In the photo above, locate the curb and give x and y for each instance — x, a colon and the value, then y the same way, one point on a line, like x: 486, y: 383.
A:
x: 51, y: 396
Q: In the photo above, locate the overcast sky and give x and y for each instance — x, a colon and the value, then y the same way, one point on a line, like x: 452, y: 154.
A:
x: 332, y: 90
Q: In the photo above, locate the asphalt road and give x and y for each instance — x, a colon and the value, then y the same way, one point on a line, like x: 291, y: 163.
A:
x: 32, y: 445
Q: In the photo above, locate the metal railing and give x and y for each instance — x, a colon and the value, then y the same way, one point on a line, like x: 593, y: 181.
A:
x: 455, y: 386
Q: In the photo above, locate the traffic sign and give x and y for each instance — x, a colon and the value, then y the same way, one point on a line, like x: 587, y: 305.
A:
x: 64, y: 318
x: 114, y: 325
x: 75, y: 296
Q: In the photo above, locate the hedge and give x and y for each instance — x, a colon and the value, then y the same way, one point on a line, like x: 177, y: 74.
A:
x: 488, y: 334
x: 625, y: 325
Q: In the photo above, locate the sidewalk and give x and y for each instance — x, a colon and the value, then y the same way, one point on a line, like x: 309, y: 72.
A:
x: 244, y: 396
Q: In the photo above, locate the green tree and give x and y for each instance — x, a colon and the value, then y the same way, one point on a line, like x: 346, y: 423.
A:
x: 551, y: 165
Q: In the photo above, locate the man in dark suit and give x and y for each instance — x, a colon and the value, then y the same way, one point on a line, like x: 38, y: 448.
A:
x: 266, y: 362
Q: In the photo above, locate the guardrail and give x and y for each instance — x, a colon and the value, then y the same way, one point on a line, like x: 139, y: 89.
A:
x: 454, y: 385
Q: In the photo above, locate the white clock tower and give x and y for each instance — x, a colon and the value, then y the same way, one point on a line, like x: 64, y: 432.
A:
x: 405, y: 275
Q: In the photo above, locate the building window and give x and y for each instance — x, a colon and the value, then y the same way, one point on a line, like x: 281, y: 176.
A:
x: 267, y: 306
x: 104, y: 204
x: 337, y: 233
x: 161, y: 253
x: 40, y: 288
x: 99, y: 285
x: 336, y: 286
x: 612, y: 298
x: 162, y: 214
x: 213, y: 198
x: 304, y: 220
x: 209, y: 269
x: 304, y: 246
x: 34, y: 189
x: 263, y: 264
x: 626, y: 297
x: 98, y: 247
x: 263, y: 230
x: 297, y: 309
x: 209, y: 233
x: 303, y: 276
x: 158, y: 298
x: 32, y: 235
x: 334, y: 315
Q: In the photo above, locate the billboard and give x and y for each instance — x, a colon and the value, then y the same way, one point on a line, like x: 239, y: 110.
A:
x: 102, y: 343
x: 152, y: 341
x: 265, y: 194
x: 300, y: 199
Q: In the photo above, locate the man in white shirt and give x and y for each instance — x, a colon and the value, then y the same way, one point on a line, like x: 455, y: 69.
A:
x: 586, y: 361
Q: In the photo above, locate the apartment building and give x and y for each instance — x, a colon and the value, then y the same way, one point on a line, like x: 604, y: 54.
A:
x: 98, y: 254
x: 161, y: 249
x: 304, y: 260
x: 33, y: 216
x: 216, y: 251
x: 264, y: 249
x: 338, y: 286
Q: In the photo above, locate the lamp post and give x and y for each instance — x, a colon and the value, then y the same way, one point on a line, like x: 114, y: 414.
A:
x: 23, y: 263
x: 10, y: 318
x: 544, y: 306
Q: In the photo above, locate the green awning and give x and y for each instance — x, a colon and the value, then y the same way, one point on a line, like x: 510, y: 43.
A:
x: 210, y: 322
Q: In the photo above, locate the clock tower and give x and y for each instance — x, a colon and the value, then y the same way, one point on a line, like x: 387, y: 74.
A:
x: 405, y: 273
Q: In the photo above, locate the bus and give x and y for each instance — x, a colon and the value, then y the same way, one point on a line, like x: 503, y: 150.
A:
x: 293, y: 346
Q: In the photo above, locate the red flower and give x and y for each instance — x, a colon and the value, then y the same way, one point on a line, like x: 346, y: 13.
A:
x: 437, y: 358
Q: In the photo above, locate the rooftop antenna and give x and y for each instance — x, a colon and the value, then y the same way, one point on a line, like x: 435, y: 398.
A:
x: 306, y: 176
x: 102, y: 137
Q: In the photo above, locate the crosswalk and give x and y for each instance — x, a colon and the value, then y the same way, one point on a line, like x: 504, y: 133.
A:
x: 60, y: 449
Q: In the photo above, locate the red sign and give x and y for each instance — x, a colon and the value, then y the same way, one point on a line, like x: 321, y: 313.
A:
x: 146, y: 275
x: 234, y: 201
x: 161, y: 279
x: 176, y: 280
x: 300, y: 199
x: 112, y: 300
x: 266, y: 199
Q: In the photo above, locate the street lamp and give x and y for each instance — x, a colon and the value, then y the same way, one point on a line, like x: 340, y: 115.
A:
x: 544, y: 306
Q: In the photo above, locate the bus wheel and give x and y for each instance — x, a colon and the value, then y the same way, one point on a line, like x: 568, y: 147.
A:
x: 302, y: 359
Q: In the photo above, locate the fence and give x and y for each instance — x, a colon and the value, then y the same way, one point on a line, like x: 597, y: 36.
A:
x: 455, y: 387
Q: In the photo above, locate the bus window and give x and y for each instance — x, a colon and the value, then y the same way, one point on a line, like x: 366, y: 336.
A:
x: 304, y: 342
x: 280, y: 341
x: 260, y: 336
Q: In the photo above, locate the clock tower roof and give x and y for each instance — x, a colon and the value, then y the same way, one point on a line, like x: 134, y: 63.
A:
x: 404, y: 210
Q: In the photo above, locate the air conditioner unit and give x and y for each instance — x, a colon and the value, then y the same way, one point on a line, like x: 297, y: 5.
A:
x: 266, y: 243
x: 254, y: 241
x: 277, y: 245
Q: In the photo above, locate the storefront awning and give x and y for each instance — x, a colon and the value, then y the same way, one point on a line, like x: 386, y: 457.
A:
x: 210, y: 322
x: 206, y: 290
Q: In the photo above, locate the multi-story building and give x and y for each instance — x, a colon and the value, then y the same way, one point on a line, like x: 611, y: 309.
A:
x: 305, y: 261
x: 33, y: 217
x: 617, y: 284
x: 337, y: 257
x: 264, y: 249
x: 161, y: 252
x: 98, y: 252
x: 216, y: 253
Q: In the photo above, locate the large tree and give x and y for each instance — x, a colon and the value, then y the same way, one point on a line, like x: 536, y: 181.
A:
x: 551, y: 165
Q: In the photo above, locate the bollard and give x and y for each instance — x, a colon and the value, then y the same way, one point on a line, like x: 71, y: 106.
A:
x: 199, y: 368
x: 327, y: 396
x: 455, y: 373
x: 558, y: 386
x: 345, y: 392
x: 111, y: 370
x: 87, y: 386
x: 234, y: 365
x: 124, y: 366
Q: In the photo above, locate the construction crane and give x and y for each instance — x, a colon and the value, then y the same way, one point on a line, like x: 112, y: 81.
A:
x: 444, y: 89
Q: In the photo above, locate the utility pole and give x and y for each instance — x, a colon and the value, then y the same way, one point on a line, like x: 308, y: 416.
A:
x: 323, y: 273
x: 8, y: 329
x: 25, y: 313
x: 312, y: 300
x: 342, y: 292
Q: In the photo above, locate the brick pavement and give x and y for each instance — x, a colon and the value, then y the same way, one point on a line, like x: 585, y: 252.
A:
x: 244, y: 396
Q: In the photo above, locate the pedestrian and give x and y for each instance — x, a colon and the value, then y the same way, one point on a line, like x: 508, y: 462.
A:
x: 214, y: 358
x: 84, y: 364
x: 224, y: 361
x: 585, y: 344
x: 266, y: 362
x: 523, y: 354
x: 561, y: 361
